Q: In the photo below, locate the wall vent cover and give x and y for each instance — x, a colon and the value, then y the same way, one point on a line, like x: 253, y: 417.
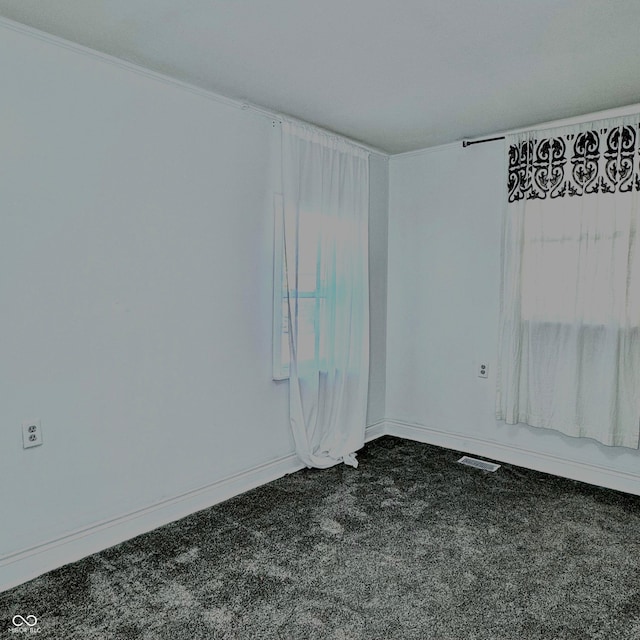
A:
x: 479, y: 464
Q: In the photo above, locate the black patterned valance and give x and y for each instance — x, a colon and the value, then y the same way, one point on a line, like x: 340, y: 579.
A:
x: 575, y: 164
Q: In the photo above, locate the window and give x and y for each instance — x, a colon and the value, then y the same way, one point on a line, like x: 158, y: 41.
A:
x: 319, y: 288
x: 571, y: 269
x: 308, y: 293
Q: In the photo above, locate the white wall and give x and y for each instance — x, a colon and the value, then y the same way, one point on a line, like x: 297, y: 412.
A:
x: 135, y: 282
x: 135, y: 270
x: 443, y: 304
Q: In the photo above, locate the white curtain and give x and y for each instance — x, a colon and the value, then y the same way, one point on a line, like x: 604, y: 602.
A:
x: 570, y: 310
x: 325, y: 186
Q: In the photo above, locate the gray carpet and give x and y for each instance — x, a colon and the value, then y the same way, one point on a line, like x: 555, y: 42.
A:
x: 409, y: 545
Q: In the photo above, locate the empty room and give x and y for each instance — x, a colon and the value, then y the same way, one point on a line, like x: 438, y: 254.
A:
x: 320, y: 319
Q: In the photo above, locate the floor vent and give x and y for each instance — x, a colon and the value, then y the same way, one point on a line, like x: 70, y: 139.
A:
x: 479, y: 464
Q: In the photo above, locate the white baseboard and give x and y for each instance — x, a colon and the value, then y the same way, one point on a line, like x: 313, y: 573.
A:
x: 26, y: 564
x: 547, y: 463
x: 375, y: 430
x: 20, y: 566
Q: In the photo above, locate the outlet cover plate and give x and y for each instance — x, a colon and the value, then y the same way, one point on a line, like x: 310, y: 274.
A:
x: 31, y: 434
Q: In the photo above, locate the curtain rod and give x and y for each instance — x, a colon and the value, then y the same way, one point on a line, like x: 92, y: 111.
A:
x: 605, y: 114
x: 468, y: 143
x: 279, y: 117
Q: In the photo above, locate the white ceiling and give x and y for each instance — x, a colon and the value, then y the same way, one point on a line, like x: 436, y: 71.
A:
x: 396, y: 74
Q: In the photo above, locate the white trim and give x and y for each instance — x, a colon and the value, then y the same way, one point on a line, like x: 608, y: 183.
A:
x: 258, y: 110
x: 375, y: 430
x: 617, y: 112
x: 6, y: 23
x: 545, y: 462
x: 278, y: 118
x: 29, y: 563
x: 418, y: 152
x: 243, y: 105
x: 26, y: 564
x: 280, y: 370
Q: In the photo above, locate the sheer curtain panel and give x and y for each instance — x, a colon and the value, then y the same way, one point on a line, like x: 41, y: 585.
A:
x: 570, y: 310
x: 325, y: 201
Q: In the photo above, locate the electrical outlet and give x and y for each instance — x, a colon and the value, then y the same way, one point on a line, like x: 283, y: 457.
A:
x: 31, y: 434
x: 483, y: 370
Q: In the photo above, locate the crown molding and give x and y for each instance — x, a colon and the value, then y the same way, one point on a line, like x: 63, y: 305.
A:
x: 56, y: 41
